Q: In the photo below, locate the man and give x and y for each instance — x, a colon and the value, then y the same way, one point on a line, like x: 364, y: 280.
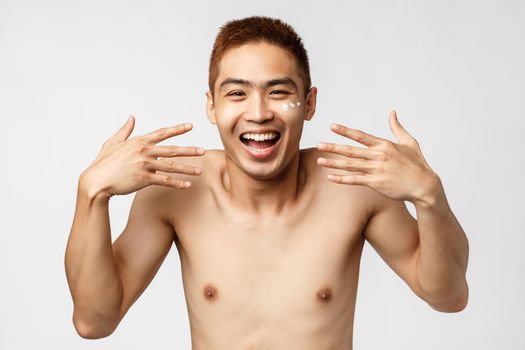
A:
x: 269, y: 236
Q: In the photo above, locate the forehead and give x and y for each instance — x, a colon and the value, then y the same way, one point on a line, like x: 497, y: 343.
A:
x: 257, y: 62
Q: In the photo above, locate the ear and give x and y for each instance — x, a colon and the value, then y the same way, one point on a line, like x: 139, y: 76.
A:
x: 210, y: 107
x: 311, y: 101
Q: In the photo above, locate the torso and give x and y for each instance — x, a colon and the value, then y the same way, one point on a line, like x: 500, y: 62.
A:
x: 287, y: 283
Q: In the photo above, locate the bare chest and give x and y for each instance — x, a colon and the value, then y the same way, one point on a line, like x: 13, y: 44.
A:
x: 262, y: 271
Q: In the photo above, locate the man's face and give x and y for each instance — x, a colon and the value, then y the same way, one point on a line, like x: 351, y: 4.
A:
x: 259, y: 108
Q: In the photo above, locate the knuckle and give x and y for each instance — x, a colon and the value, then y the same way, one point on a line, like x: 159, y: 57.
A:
x: 141, y: 148
x: 136, y: 139
x: 348, y: 152
x: 387, y: 146
x: 145, y: 177
x: 171, y: 165
x: 166, y: 180
x: 143, y: 163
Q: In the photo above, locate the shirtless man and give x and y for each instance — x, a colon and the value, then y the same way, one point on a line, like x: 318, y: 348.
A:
x: 269, y: 242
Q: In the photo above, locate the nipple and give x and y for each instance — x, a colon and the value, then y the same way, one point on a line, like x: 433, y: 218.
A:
x: 324, y: 295
x: 290, y: 105
x: 210, y: 292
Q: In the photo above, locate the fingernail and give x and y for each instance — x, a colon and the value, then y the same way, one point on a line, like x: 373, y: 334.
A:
x: 187, y: 184
x: 197, y: 170
x: 200, y: 150
x: 187, y: 125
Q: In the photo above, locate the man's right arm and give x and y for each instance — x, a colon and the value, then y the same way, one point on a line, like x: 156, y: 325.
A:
x: 105, y: 279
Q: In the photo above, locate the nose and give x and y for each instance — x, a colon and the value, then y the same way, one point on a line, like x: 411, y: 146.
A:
x: 258, y: 110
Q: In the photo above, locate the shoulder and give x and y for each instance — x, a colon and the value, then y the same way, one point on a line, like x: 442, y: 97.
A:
x: 167, y: 199
x: 210, y: 164
x: 365, y: 196
x: 309, y: 158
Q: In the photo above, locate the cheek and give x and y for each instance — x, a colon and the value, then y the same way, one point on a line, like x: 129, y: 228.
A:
x: 289, y: 106
x: 291, y: 110
x: 228, y: 110
x: 226, y: 114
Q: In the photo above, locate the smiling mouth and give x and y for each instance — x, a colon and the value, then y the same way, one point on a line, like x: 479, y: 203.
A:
x: 256, y: 143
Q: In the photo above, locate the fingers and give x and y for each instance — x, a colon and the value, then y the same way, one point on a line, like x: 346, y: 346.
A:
x: 356, y: 135
x: 171, y: 166
x: 354, y: 179
x: 348, y: 151
x: 398, y: 130
x: 173, y: 151
x: 165, y: 133
x: 166, y: 180
x: 347, y: 164
x: 123, y: 133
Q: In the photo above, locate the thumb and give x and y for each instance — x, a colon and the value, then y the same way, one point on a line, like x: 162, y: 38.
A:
x: 125, y: 130
x: 397, y: 129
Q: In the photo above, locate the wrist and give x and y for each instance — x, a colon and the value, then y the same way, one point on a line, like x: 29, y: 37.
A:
x: 91, y: 188
x: 431, y: 194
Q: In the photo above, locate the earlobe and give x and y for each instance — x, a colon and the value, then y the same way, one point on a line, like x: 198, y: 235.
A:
x: 311, y: 101
x: 210, y: 108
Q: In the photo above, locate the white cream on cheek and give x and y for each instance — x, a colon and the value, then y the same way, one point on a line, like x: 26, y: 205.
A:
x: 290, y: 105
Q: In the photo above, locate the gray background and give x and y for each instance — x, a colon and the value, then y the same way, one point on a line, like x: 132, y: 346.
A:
x: 72, y: 72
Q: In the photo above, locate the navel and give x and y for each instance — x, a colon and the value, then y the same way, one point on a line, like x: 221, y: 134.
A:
x: 210, y: 292
x: 324, y: 295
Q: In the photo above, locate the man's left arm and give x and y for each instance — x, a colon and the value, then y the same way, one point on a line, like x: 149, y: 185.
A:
x: 430, y: 254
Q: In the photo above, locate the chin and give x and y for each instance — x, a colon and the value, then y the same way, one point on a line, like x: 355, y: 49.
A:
x: 268, y: 170
x: 263, y: 171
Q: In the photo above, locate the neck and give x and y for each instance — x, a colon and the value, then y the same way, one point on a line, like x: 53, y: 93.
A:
x: 268, y: 197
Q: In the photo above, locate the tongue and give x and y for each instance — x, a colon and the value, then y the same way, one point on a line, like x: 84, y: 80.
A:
x: 260, y: 144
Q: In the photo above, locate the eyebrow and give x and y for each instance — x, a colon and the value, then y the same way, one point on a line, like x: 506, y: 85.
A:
x: 266, y: 84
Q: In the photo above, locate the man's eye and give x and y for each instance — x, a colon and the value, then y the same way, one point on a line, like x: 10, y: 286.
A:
x: 279, y: 92
x: 236, y: 93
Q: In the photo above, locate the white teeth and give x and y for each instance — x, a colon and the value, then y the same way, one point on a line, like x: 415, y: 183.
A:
x: 260, y: 137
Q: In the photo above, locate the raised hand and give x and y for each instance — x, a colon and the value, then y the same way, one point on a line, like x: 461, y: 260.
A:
x: 397, y: 170
x: 124, y: 166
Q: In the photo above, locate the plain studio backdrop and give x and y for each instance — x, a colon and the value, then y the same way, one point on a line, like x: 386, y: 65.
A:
x: 71, y: 72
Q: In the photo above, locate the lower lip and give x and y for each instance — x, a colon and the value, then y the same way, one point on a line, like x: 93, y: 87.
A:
x: 262, y: 153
